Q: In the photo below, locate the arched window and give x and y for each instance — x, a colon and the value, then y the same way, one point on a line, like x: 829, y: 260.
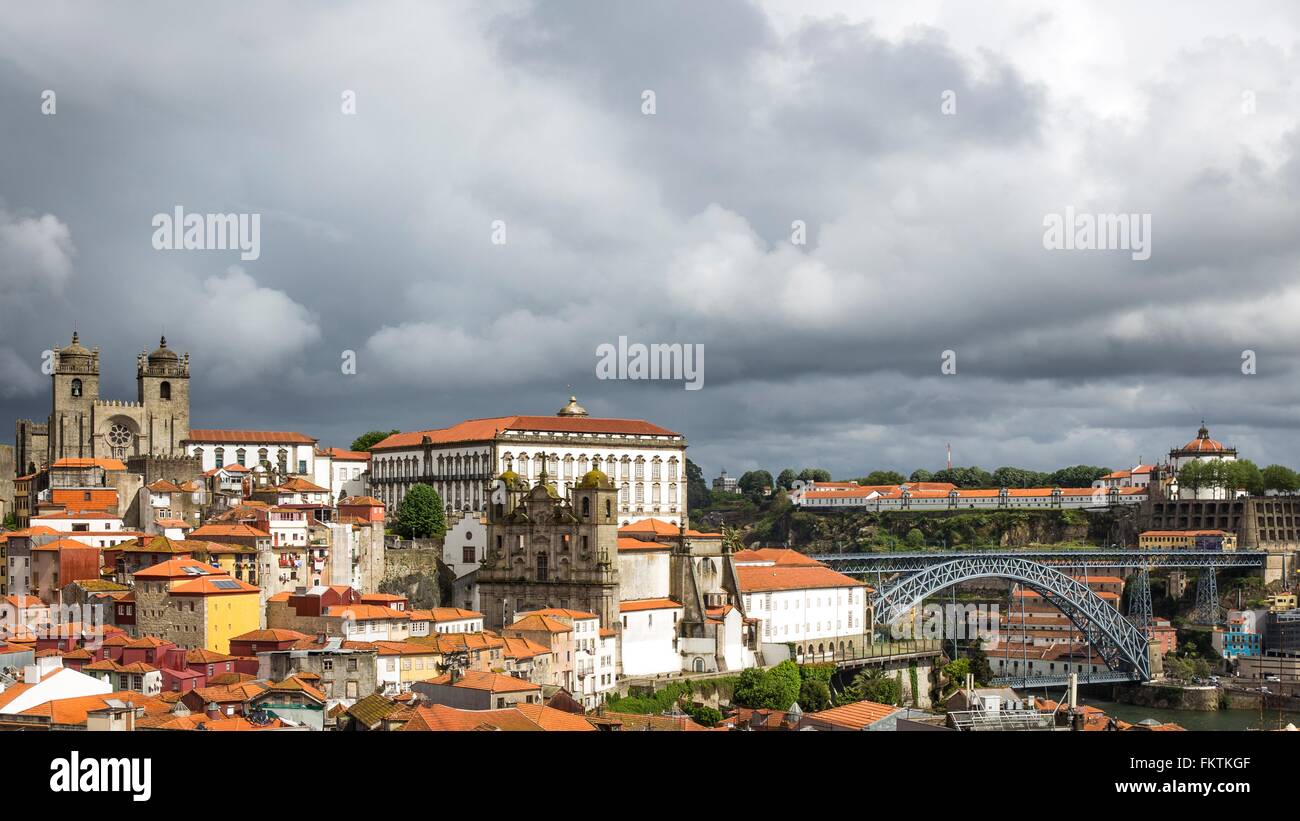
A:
x: 608, y: 509
x: 165, y: 390
x: 699, y: 664
x: 76, y: 387
x: 586, y: 507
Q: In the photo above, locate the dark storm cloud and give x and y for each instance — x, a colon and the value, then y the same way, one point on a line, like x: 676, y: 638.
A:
x: 924, y: 230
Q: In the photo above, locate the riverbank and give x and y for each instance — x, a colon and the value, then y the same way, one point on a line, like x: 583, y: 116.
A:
x: 1197, y: 719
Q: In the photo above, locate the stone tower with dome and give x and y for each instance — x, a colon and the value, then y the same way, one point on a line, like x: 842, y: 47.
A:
x: 546, y: 550
x: 81, y: 425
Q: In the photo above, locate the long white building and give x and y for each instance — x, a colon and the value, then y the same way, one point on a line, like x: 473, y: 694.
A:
x: 286, y: 451
x: 940, y: 496
x: 647, y: 463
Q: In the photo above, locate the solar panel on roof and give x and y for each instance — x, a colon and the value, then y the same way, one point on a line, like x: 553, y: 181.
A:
x: 226, y: 584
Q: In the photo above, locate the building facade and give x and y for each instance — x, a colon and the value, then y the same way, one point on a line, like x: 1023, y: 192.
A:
x: 646, y: 463
x: 82, y: 425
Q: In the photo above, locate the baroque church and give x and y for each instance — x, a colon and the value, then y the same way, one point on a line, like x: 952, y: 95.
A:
x: 82, y: 425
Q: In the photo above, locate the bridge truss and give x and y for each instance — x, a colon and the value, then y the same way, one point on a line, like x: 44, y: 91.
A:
x: 860, y: 563
x: 1116, y: 640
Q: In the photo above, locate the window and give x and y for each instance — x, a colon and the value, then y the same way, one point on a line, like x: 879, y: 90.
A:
x: 165, y: 390
x: 221, y: 456
x: 467, y: 554
x: 76, y: 387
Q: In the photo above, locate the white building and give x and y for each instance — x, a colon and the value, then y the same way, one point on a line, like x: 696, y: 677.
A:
x: 798, y: 600
x: 445, y: 620
x: 1200, y: 449
x: 288, y: 452
x: 91, y: 529
x: 940, y: 496
x: 342, y: 471
x: 45, y: 681
x: 594, y: 660
x: 646, y: 462
x: 650, y: 636
x: 464, y: 545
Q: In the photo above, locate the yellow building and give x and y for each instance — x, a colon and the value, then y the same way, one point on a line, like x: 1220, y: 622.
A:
x: 400, y: 663
x: 194, y: 604
x: 1282, y: 602
x: 1187, y: 540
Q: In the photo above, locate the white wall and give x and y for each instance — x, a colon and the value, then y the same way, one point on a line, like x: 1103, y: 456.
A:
x: 648, y: 642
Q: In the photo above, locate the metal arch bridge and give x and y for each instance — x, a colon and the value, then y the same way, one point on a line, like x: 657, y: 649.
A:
x: 882, y: 563
x: 1117, y: 641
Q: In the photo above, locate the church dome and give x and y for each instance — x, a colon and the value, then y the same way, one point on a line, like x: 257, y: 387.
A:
x: 572, y: 409
x: 163, y: 354
x: 594, y: 479
x: 76, y: 349
x: 1203, y: 443
x: 511, y: 479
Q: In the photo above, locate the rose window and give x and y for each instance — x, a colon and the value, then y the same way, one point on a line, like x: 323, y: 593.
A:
x: 119, y: 436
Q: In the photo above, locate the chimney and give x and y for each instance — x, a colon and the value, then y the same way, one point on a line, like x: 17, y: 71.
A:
x: 455, y: 674
x: 1074, y: 691
x: 31, y: 674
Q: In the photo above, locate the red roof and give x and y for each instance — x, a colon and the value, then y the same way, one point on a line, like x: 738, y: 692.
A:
x: 759, y: 578
x: 478, y: 430
x: 270, y: 437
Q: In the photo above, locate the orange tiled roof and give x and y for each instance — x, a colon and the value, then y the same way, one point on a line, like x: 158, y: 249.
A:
x: 758, y: 579
x: 856, y: 716
x: 268, y: 437
x: 777, y: 555
x: 273, y: 634
x: 479, y: 430
x: 538, y: 623
x: 635, y: 605
x: 491, y: 682
x: 74, y: 462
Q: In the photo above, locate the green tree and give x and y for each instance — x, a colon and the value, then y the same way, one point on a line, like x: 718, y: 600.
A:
x: 1191, y: 476
x: 875, y: 685
x: 786, y: 479
x: 815, y: 475
x: 1077, y: 476
x: 1018, y: 477
x: 698, y: 495
x: 1280, y: 478
x: 915, y: 539
x: 11, y: 521
x: 753, y: 481
x: 1244, y: 473
x: 371, y: 438
x: 814, y: 695
x: 955, y: 671
x: 883, y: 477
x: 921, y: 475
x: 979, y: 663
x: 420, y: 514
x: 703, y: 714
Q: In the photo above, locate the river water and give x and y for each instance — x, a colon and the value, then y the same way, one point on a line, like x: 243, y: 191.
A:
x: 1197, y: 719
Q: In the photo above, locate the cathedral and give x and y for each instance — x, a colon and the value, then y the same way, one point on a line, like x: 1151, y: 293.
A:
x: 82, y: 425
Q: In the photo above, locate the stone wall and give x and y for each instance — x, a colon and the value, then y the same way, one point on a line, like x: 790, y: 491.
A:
x: 7, y: 474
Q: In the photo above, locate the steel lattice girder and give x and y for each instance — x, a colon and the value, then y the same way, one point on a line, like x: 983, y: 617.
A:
x: 856, y: 563
x: 1114, y: 637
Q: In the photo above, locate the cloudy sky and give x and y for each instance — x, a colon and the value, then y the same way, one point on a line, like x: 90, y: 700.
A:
x: 924, y: 228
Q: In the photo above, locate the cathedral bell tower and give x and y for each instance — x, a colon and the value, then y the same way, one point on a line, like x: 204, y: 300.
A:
x: 163, y: 383
x: 75, y: 389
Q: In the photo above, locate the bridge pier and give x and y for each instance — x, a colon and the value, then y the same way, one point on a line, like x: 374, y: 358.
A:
x: 1206, y: 610
x: 1139, y: 600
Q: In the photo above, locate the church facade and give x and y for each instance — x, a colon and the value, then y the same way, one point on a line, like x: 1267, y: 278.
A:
x: 81, y: 425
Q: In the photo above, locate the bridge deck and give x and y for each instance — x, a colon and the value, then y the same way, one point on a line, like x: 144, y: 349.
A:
x: 856, y: 563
